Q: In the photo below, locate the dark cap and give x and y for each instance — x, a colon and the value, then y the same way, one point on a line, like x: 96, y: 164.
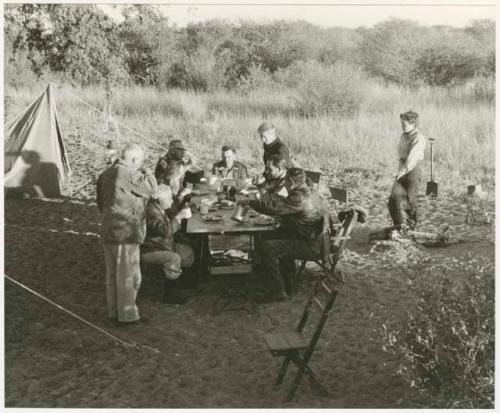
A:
x: 176, y: 144
x: 409, y: 116
x: 297, y: 176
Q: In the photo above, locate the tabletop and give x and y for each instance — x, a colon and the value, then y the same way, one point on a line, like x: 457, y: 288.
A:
x: 197, y: 225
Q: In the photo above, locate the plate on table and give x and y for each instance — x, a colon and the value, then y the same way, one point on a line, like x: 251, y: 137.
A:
x: 263, y: 221
x: 225, y: 204
x: 212, y: 218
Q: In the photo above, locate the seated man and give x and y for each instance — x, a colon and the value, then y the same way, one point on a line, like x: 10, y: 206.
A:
x: 274, y: 176
x: 301, y: 213
x: 229, y: 167
x: 171, y: 169
x: 159, y: 247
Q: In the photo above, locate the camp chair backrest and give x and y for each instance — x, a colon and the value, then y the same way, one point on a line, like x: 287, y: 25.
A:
x: 339, y: 194
x: 314, y: 177
x: 340, y: 240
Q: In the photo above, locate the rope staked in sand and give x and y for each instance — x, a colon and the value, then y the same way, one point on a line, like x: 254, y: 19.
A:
x: 100, y: 111
x: 118, y: 340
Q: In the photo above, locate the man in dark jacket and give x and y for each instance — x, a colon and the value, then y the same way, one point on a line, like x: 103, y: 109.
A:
x: 171, y: 170
x: 122, y: 190
x: 274, y: 176
x: 272, y: 144
x: 159, y: 248
x: 301, y: 214
x: 229, y: 167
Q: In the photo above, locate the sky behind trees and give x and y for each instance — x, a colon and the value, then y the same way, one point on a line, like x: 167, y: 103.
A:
x: 352, y: 16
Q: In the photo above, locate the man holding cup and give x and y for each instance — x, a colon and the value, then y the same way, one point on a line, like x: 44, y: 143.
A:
x: 160, y: 248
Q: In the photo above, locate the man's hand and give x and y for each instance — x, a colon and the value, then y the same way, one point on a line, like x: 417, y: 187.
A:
x: 184, y: 192
x: 184, y: 213
x: 399, y: 175
x: 258, y: 180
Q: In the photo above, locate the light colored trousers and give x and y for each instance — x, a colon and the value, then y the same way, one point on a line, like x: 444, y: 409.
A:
x: 123, y: 280
x: 171, y: 262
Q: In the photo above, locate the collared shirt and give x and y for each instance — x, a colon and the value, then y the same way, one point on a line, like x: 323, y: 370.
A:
x: 411, y: 150
x: 276, y: 147
x: 301, y: 212
x: 121, y: 195
x: 237, y: 171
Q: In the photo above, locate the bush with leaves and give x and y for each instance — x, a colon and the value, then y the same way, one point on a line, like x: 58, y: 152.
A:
x: 446, y: 344
x: 337, y: 90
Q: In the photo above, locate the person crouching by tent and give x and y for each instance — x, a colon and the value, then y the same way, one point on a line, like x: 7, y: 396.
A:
x: 403, y: 199
x: 122, y: 190
x: 159, y: 247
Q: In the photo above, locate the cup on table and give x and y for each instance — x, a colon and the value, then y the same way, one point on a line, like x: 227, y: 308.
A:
x: 253, y: 195
x: 204, y: 209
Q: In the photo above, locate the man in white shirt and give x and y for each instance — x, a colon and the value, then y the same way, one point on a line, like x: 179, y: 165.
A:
x: 403, y: 199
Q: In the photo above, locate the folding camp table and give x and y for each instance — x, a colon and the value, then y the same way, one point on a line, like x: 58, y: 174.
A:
x: 198, y: 227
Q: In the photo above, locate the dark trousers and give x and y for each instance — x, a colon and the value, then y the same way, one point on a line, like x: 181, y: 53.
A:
x: 279, y: 257
x: 403, y: 199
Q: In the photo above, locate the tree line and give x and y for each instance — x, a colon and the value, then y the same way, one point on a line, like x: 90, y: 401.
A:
x: 83, y: 44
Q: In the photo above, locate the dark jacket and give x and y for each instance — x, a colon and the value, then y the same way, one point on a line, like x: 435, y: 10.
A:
x: 273, y: 186
x: 121, y: 196
x: 277, y: 148
x: 159, y: 234
x: 301, y: 212
x: 238, y: 171
x: 168, y: 169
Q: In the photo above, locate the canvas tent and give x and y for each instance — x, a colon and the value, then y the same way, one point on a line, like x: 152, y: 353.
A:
x: 35, y: 160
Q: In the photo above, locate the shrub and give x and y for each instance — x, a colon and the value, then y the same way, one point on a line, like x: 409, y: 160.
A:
x: 336, y: 90
x: 444, y: 63
x: 446, y: 344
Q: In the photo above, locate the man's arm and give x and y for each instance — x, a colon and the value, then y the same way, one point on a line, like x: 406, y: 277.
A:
x: 277, y: 205
x: 143, y: 185
x: 415, y: 155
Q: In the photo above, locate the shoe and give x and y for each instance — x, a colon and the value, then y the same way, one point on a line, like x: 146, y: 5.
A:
x: 174, y: 297
x: 140, y: 321
x: 271, y: 297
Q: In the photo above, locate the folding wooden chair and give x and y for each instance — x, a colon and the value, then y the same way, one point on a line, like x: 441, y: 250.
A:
x: 314, y: 177
x: 331, y: 242
x: 293, y: 345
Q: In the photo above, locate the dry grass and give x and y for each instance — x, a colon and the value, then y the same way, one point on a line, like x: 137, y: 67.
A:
x: 462, y: 124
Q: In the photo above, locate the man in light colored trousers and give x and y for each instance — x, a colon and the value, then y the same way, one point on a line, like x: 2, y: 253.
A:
x: 122, y: 191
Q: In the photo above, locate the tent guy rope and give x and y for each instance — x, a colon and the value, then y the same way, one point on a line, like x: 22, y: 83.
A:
x: 113, y: 337
x: 100, y: 111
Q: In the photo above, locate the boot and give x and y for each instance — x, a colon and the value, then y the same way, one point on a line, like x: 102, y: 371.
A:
x: 171, y: 295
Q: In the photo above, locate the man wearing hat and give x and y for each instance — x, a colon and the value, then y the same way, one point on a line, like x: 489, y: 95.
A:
x: 403, y: 199
x: 171, y: 169
x: 301, y: 214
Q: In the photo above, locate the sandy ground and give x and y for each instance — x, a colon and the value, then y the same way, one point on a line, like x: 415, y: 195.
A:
x: 185, y: 356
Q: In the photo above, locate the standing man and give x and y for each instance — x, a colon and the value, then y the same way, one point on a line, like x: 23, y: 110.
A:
x: 272, y: 144
x: 122, y: 190
x: 229, y: 167
x: 403, y: 198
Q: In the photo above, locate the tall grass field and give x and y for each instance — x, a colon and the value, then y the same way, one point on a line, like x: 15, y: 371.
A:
x: 460, y: 119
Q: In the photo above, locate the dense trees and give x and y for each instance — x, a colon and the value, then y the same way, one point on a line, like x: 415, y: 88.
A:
x: 83, y: 44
